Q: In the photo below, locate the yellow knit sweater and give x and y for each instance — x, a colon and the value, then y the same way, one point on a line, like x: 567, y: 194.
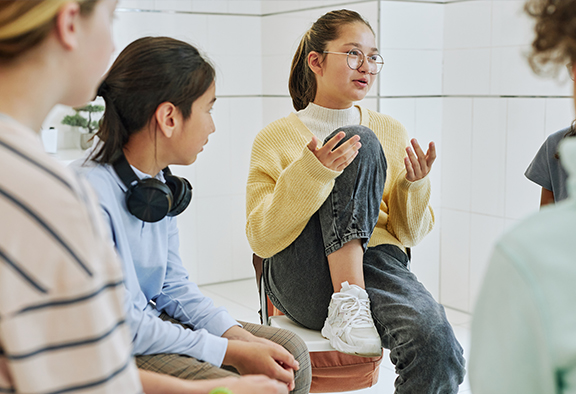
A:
x: 287, y: 184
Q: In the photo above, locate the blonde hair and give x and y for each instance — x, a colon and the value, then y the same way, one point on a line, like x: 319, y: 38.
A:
x: 24, y: 24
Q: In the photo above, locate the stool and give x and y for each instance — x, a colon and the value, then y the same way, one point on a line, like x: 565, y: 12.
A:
x: 332, y: 371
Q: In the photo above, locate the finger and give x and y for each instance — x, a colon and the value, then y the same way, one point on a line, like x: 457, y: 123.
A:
x: 334, y: 141
x: 413, y: 160
x: 283, y: 375
x: 409, y: 170
x: 313, y: 144
x: 284, y: 357
x: 347, y: 162
x: 431, y: 154
x: 420, y: 154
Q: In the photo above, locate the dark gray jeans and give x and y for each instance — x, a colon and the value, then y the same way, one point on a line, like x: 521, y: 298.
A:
x: 427, y: 356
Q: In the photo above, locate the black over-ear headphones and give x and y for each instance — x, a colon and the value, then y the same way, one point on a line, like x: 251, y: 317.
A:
x: 150, y: 199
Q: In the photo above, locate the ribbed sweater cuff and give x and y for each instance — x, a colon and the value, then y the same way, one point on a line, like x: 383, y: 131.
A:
x: 406, y: 185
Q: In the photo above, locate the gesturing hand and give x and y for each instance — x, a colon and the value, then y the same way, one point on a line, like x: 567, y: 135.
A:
x: 339, y: 158
x: 418, y: 164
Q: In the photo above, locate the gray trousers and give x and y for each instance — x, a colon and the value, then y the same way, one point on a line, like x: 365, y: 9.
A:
x: 427, y: 356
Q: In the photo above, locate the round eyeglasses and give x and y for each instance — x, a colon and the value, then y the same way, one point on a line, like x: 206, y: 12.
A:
x: 355, y: 60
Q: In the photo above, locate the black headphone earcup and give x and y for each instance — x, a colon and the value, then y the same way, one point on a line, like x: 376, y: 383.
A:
x: 181, y: 192
x: 150, y: 200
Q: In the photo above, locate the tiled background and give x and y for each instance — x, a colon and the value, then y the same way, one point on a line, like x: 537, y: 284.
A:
x: 455, y: 73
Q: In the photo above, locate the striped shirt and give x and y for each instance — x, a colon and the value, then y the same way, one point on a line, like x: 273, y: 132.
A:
x: 62, y: 324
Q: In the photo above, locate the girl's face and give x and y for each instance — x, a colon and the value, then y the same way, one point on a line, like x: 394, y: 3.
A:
x: 196, y: 129
x: 95, y: 47
x: 338, y: 86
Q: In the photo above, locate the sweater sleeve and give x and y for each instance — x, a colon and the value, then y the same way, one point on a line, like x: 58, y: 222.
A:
x: 410, y: 216
x: 286, y: 186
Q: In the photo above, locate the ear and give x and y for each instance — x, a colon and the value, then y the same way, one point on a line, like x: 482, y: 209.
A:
x: 166, y: 117
x: 67, y: 25
x: 315, y: 63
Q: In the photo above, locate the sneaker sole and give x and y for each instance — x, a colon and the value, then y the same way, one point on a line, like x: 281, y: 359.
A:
x: 343, y: 347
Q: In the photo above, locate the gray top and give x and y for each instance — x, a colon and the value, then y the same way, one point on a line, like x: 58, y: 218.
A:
x: 546, y: 170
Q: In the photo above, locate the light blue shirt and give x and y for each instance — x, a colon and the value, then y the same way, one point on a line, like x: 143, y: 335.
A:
x: 524, y: 324
x: 156, y: 279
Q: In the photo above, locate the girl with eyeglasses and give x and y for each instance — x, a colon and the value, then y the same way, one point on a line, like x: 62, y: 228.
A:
x: 336, y: 195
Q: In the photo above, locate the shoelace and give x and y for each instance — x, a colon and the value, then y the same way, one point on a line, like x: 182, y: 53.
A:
x: 360, y: 309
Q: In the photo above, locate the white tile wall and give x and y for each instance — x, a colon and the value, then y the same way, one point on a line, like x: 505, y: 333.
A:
x: 467, y: 71
x: 525, y: 135
x: 474, y: 50
x: 467, y: 24
x: 455, y: 268
x: 411, y: 72
x: 402, y: 24
x: 488, y: 156
x: 456, y: 154
x: 485, y: 230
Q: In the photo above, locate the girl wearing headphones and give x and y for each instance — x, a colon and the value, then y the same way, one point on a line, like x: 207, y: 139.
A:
x: 159, y: 94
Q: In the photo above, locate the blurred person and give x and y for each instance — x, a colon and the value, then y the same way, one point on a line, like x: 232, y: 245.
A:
x: 546, y: 169
x: 524, y: 322
x: 62, y: 318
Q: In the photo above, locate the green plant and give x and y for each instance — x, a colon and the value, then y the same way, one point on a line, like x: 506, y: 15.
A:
x: 80, y: 121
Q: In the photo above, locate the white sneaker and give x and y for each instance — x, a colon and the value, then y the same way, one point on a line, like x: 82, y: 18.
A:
x: 349, y: 325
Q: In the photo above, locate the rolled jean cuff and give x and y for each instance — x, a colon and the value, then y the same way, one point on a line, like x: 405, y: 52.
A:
x: 364, y: 237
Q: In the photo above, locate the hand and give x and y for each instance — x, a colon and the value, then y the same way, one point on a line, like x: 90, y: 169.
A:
x: 253, y: 355
x: 253, y: 384
x: 419, y: 165
x: 337, y: 159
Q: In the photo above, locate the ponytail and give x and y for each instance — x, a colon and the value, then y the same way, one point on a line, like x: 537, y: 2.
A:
x: 148, y: 72
x: 302, y: 81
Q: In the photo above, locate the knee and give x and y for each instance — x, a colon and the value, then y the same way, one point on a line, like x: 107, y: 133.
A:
x: 435, y: 347
x: 367, y: 136
x: 371, y: 147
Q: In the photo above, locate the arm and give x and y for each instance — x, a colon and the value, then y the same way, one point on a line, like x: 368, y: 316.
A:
x: 181, y: 299
x: 154, y: 383
x: 286, y: 186
x: 546, y: 197
x: 152, y: 335
x: 509, y: 351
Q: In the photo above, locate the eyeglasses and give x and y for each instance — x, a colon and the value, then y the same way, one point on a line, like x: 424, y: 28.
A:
x: 355, y: 60
x: 570, y: 71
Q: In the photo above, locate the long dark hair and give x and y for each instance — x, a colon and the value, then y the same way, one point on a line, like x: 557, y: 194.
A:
x: 147, y: 73
x: 302, y: 82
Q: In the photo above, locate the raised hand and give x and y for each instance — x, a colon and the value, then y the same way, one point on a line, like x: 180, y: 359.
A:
x: 418, y: 164
x: 336, y: 159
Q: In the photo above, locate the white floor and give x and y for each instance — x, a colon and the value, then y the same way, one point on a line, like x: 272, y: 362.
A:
x: 241, y: 300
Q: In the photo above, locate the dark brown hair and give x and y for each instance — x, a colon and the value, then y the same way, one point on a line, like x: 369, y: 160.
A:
x: 302, y: 82
x: 555, y: 42
x: 147, y: 73
x: 31, y: 21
